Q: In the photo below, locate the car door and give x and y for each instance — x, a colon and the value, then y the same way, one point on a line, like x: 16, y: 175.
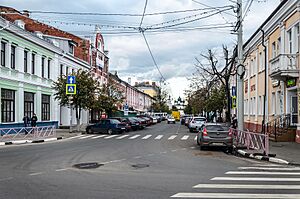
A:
x: 96, y: 128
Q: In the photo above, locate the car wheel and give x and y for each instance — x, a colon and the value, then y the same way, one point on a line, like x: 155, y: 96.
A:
x: 90, y: 131
x: 109, y: 132
x: 191, y: 130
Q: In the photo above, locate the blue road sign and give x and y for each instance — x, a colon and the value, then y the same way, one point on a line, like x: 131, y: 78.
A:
x: 71, y: 89
x: 71, y: 80
x: 233, y: 93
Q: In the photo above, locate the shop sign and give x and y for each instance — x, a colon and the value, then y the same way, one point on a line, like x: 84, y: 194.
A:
x: 290, y: 83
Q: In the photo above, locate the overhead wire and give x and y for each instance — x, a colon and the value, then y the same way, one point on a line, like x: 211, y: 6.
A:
x: 146, y: 2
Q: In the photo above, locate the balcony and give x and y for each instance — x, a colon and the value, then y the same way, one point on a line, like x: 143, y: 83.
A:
x: 285, y: 66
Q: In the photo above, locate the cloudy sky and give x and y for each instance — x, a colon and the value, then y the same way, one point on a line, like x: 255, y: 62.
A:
x: 174, y: 47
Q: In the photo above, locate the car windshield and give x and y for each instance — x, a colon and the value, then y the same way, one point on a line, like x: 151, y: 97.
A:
x: 114, y: 121
x: 200, y: 119
x: 216, y: 128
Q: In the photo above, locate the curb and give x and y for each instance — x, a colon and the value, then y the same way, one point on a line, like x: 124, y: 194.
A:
x: 29, y: 141
x: 264, y: 158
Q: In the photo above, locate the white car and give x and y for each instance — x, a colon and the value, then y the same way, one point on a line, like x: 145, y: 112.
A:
x: 171, y: 120
x: 196, y: 123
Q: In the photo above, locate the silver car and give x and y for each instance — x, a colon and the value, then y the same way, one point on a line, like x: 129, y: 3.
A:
x: 196, y: 123
x: 212, y: 134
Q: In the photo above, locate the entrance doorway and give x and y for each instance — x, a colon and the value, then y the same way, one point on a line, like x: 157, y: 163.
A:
x: 294, y: 110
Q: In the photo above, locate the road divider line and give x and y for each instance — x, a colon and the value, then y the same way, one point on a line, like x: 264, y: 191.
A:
x: 5, y: 179
x: 137, y: 157
x: 146, y: 137
x: 236, y: 195
x: 35, y: 174
x: 256, y: 179
x: 245, y: 186
x: 65, y: 169
x: 172, y: 137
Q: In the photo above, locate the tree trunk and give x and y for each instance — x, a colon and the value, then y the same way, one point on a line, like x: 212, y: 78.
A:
x: 78, y: 110
x: 227, y: 91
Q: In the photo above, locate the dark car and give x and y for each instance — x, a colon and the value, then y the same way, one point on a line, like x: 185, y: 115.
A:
x: 212, y: 134
x: 108, y: 126
x: 135, y: 124
x: 147, y: 119
x: 142, y: 122
x: 123, y: 121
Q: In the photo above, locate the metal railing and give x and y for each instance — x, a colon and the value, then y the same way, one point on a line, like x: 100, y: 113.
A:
x: 254, y: 141
x: 279, y: 123
x: 27, y: 133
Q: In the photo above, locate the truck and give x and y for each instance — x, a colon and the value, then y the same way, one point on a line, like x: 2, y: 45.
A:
x: 176, y: 115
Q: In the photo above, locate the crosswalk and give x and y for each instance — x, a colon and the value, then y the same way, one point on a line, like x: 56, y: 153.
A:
x: 264, y: 182
x: 135, y: 136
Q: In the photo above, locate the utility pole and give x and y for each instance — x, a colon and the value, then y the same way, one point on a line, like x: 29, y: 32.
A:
x: 240, y: 68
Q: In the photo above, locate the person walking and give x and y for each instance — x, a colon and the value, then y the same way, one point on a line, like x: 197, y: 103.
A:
x: 26, y: 121
x: 34, y: 120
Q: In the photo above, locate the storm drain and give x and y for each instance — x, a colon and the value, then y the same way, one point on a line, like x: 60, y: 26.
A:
x: 88, y: 165
x: 140, y: 166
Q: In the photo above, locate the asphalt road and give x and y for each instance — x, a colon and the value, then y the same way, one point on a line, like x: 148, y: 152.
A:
x: 161, y: 161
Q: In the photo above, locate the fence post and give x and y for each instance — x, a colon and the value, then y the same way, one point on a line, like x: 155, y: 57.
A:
x: 247, y: 139
x: 266, y: 151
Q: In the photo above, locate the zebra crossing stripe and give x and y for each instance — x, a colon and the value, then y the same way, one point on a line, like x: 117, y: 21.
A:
x: 257, y: 179
x: 245, y: 186
x: 158, y: 137
x: 185, y: 137
x: 172, y: 137
x: 133, y: 137
x: 99, y: 136
x: 78, y: 136
x: 111, y: 136
x: 146, y: 137
x: 259, y: 173
x: 121, y: 137
x: 271, y: 169
x: 85, y: 137
x: 236, y: 195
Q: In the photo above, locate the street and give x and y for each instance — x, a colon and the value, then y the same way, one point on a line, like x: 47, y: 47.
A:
x: 161, y: 161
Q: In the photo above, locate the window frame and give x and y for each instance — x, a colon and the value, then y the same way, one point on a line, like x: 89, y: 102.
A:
x: 46, y: 107
x: 49, y: 68
x: 33, y: 57
x: 28, y: 104
x: 8, y: 106
x: 26, y: 52
x: 13, y: 56
x: 43, y: 66
x: 3, y: 53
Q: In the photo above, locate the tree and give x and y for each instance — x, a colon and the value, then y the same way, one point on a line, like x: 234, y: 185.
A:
x: 222, y: 74
x: 109, y: 97
x: 85, y: 96
x: 216, y: 101
x: 160, y: 104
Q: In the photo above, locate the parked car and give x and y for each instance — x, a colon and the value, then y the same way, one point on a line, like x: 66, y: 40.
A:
x: 108, y: 126
x: 148, y: 120
x: 212, y: 134
x: 171, y: 120
x: 123, y: 121
x: 135, y: 125
x: 196, y: 123
x: 153, y: 120
x: 142, y: 122
x: 187, y: 121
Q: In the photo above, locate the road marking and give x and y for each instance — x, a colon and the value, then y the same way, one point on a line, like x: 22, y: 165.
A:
x: 259, y: 173
x: 99, y: 136
x: 50, y: 139
x: 245, y: 186
x: 137, y: 157
x: 172, y: 137
x: 185, y: 137
x: 77, y: 136
x: 257, y: 179
x: 193, y: 147
x: 236, y: 195
x: 111, y: 136
x: 195, y: 138
x: 4, y: 179
x: 151, y: 154
x: 163, y: 152
x: 183, y: 149
x: 121, y: 137
x: 146, y: 137
x: 85, y: 137
x: 61, y: 169
x: 158, y: 137
x: 114, y: 161
x: 35, y: 174
x: 174, y: 150
x: 134, y: 137
x: 268, y: 168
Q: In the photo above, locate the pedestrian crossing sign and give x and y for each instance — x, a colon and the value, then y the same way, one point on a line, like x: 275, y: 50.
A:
x: 71, y: 89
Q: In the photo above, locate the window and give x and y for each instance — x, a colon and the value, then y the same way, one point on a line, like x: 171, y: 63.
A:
x: 61, y: 69
x: 274, y: 50
x: 45, y: 107
x: 259, y: 106
x: 297, y: 38
x: 7, y: 105
x: 43, y: 66
x: 33, y: 63
x: 49, y: 66
x: 73, y: 71
x: 3, y: 50
x: 278, y: 46
x: 28, y: 104
x: 13, y: 57
x: 254, y: 106
x: 290, y: 42
x: 273, y: 103
x: 25, y: 61
x: 71, y: 48
x: 67, y: 71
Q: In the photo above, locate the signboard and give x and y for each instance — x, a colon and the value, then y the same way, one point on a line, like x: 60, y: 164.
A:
x: 275, y: 83
x: 71, y: 80
x: 125, y: 112
x: 233, y: 102
x: 233, y: 92
x: 126, y: 108
x: 71, y: 89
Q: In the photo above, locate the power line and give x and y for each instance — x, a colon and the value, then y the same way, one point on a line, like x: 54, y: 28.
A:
x: 143, y: 13
x: 215, y: 8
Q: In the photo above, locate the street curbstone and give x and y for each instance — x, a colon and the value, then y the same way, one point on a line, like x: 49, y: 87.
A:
x: 50, y: 139
x: 277, y: 160
x: 37, y: 141
x: 2, y: 143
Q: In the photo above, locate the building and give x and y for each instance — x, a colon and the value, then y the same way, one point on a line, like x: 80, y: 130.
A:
x: 146, y: 87
x: 271, y: 90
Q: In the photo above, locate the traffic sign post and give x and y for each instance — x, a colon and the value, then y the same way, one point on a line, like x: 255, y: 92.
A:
x: 71, y: 89
x: 71, y: 80
x: 126, y: 108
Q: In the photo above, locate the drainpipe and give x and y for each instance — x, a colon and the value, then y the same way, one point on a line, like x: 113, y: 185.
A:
x: 266, y: 76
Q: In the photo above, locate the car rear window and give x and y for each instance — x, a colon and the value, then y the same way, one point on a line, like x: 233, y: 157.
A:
x: 113, y: 121
x: 216, y: 128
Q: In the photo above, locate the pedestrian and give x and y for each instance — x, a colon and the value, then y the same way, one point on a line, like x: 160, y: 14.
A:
x: 34, y: 120
x: 234, y: 121
x: 26, y: 121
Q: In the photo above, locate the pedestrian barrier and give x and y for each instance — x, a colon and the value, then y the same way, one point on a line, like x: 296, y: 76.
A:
x: 254, y: 141
x: 27, y: 133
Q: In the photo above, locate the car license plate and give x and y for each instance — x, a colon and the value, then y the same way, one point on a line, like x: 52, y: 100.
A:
x: 123, y: 128
x: 218, y: 144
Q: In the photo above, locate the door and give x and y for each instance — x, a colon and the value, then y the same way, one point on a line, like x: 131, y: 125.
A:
x: 294, y: 110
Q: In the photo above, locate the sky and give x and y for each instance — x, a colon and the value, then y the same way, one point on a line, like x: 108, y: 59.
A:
x: 174, y: 49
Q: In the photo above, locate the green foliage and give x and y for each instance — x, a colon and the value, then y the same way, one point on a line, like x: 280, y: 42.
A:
x: 216, y: 101
x: 160, y: 104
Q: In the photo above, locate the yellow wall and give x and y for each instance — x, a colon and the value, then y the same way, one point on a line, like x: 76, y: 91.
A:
x: 150, y: 92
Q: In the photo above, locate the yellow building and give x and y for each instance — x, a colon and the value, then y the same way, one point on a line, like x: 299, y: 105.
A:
x: 274, y: 95
x: 146, y: 87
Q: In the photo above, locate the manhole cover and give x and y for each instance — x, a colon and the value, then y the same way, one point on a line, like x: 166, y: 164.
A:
x: 89, y: 165
x: 140, y: 166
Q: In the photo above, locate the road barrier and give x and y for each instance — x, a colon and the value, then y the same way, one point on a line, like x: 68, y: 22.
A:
x: 254, y: 141
x: 27, y: 133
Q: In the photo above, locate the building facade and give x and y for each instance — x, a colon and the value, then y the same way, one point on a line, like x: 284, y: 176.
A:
x: 151, y: 89
x: 271, y: 84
